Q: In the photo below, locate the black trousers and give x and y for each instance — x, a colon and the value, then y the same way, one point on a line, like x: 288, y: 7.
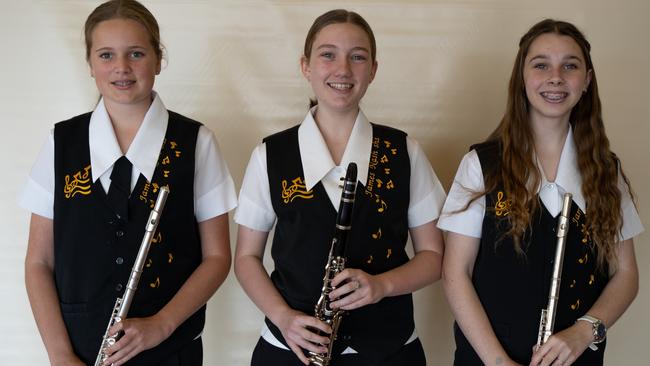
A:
x: 266, y: 354
x: 190, y: 355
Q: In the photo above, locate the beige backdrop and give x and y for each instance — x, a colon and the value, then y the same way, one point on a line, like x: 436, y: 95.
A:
x: 443, y: 71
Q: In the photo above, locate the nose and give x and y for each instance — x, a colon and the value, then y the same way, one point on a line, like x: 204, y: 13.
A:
x: 122, y: 64
x: 343, y: 67
x: 555, y: 78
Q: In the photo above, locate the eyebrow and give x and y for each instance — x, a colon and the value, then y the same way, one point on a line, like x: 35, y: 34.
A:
x: 545, y: 57
x: 358, y: 48
x: 107, y: 48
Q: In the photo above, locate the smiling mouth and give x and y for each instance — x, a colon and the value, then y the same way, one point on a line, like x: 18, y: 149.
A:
x: 554, y: 97
x: 340, y: 86
x: 123, y: 83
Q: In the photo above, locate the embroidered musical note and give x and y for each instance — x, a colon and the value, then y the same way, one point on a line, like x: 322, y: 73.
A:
x: 170, y: 257
x: 576, y: 305
x: 501, y: 207
x: 387, y: 143
x: 178, y: 153
x: 584, y: 259
x: 149, y: 263
x: 384, y: 159
x: 393, y: 151
x: 369, y: 260
x: 387, y: 171
x: 389, y: 252
x: 377, y: 235
x: 166, y: 173
x: 573, y: 283
x: 165, y: 160
x: 155, y: 284
x: 390, y: 184
x: 379, y: 182
x: 80, y: 183
x: 157, y: 238
x: 382, y: 205
x: 591, y: 279
x: 173, y: 145
x: 155, y: 187
x: 298, y: 189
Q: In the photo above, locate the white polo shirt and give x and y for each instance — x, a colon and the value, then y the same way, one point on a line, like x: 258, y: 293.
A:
x: 469, y: 179
x: 214, y: 190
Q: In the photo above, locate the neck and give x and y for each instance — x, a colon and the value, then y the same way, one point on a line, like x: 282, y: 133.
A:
x: 336, y: 128
x: 126, y: 121
x: 550, y: 136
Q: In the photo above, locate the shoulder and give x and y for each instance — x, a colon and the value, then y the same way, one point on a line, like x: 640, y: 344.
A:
x: 489, y: 155
x: 282, y: 135
x: 173, y: 116
x: 388, y: 130
x: 75, y: 121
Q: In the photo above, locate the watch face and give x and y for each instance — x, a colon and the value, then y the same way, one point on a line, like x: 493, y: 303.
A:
x: 600, y: 331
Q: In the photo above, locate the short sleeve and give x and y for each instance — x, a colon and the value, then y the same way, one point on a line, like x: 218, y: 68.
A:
x: 427, y: 194
x: 468, y: 182
x: 214, y: 189
x: 632, y: 225
x: 255, y: 209
x: 38, y: 194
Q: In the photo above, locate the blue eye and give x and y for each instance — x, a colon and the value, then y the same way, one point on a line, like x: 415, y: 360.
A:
x: 105, y: 55
x: 571, y: 67
x: 359, y: 58
x: 137, y: 54
x: 540, y: 66
x: 327, y: 55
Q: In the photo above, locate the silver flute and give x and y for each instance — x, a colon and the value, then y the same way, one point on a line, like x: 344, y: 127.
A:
x: 122, y: 304
x: 335, y: 264
x: 547, y: 320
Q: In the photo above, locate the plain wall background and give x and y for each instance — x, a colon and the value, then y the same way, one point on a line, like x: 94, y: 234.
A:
x: 442, y: 77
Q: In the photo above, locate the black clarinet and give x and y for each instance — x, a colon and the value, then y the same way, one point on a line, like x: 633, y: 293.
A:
x: 335, y: 264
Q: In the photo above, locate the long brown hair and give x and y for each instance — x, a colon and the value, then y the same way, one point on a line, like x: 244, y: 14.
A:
x: 124, y: 9
x: 598, y: 166
x: 338, y: 16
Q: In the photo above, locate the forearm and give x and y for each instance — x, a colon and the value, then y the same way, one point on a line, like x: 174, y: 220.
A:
x: 617, y: 296
x: 45, y: 306
x: 422, y: 270
x: 195, y: 292
x: 257, y: 284
x: 472, y: 319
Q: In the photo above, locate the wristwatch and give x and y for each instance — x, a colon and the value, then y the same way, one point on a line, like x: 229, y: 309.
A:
x: 599, y: 329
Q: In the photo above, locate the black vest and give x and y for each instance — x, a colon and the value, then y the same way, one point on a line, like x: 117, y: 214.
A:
x: 94, y: 251
x: 513, y: 289
x: 376, y: 244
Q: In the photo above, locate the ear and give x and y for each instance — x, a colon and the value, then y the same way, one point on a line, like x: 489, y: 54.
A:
x: 373, y: 71
x: 92, y: 73
x: 588, y: 81
x: 304, y: 68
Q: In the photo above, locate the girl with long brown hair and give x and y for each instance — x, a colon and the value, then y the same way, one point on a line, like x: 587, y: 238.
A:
x: 502, y: 211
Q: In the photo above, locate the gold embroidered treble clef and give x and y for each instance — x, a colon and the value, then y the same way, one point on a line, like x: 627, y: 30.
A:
x: 80, y: 183
x: 296, y: 190
x: 501, y: 207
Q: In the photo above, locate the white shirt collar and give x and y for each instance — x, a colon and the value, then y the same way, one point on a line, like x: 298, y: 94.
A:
x: 145, y: 148
x: 316, y: 158
x: 568, y: 178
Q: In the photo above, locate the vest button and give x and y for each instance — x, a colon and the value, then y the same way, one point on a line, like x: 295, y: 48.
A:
x: 119, y: 260
x: 119, y: 233
x: 118, y: 287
